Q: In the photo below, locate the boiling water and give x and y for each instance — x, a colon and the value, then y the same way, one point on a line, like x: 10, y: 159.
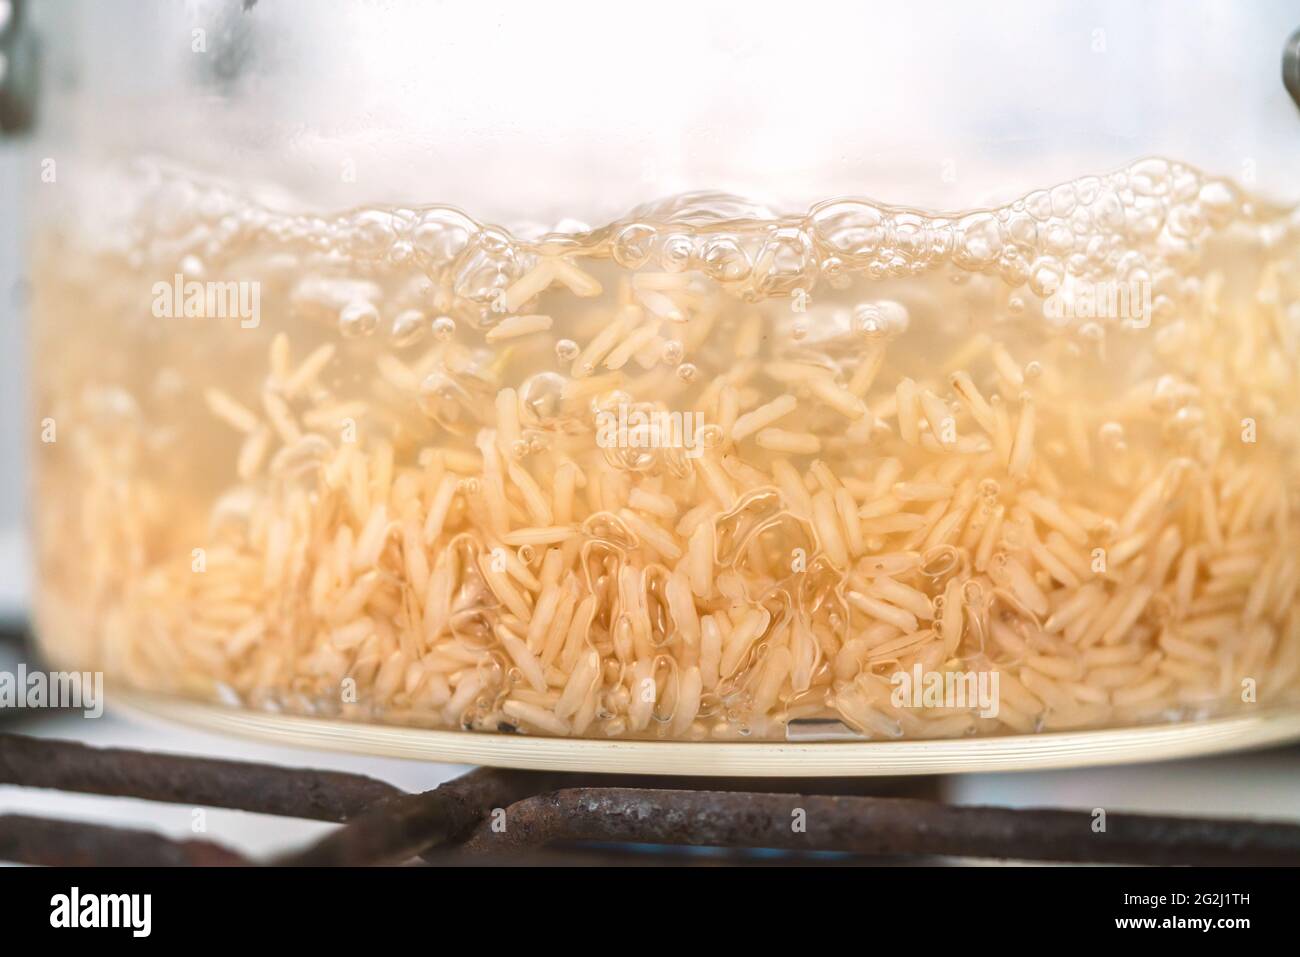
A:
x: 699, y: 473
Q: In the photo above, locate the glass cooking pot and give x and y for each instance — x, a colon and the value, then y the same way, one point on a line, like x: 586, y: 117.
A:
x: 545, y: 369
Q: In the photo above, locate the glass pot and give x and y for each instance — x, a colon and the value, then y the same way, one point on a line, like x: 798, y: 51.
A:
x: 544, y: 368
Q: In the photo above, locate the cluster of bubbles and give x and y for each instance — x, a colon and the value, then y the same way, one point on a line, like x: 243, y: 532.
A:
x: 1137, y: 223
x: 1096, y: 222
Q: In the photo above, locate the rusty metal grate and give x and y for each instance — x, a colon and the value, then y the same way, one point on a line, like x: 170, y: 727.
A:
x: 577, y: 817
x: 585, y: 818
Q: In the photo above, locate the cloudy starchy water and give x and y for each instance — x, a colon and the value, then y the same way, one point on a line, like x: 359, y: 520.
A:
x: 692, y: 474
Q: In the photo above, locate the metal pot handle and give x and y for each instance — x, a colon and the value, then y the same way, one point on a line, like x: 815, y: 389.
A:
x: 1291, y: 67
x: 17, y: 69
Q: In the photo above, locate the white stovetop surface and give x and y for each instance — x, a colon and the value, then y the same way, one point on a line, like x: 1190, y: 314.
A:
x: 13, y: 574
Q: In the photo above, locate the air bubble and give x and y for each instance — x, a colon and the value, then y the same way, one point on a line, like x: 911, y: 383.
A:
x: 566, y: 350
x: 912, y: 237
x: 1022, y: 230
x: 1039, y: 205
x: 1185, y: 222
x: 541, y: 397
x: 835, y: 273
x: 487, y: 267
x: 442, y: 399
x: 1218, y: 200
x: 1058, y: 239
x: 676, y: 253
x: 372, y: 233
x: 882, y: 319
x: 853, y: 231
x: 980, y: 242
x: 358, y: 318
x: 1063, y: 200
x: 1093, y: 332
x: 633, y: 245
x: 1111, y: 435
x: 1086, y: 189
x: 783, y: 264
x: 1149, y: 177
x: 441, y: 234
x: 1012, y: 267
x: 408, y: 328
x: 444, y: 327
x: 724, y: 260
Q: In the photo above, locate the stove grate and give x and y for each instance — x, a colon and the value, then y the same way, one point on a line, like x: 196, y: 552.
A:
x: 559, y: 817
